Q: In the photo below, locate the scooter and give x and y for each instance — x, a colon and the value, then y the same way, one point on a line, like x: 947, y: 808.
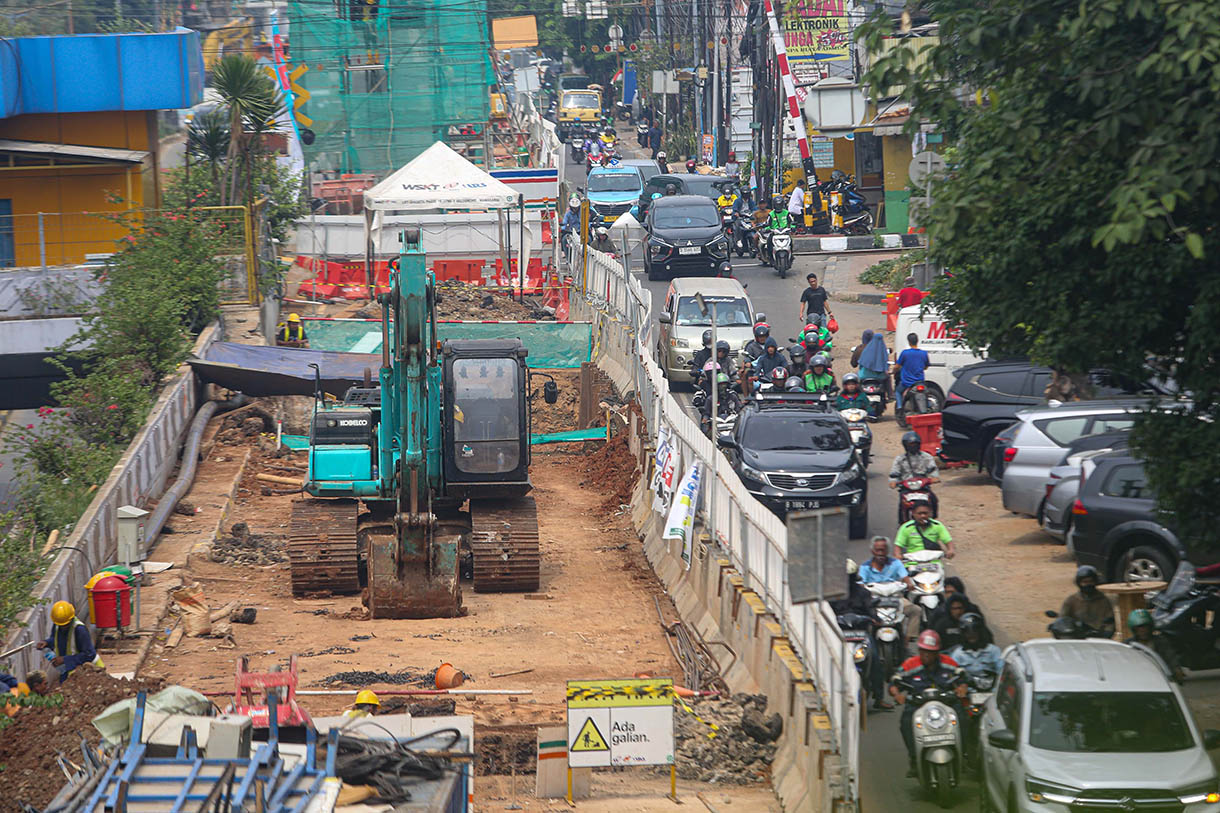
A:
x: 927, y: 569
x: 744, y: 242
x: 576, y: 145
x: 861, y: 435
x: 1070, y: 629
x: 1181, y: 612
x: 857, y: 219
x: 780, y: 251
x: 641, y: 134
x: 917, y: 399
x: 887, y: 620
x: 874, y: 390
x: 726, y: 223
x: 912, y: 492
x: 857, y: 633
x: 938, y: 741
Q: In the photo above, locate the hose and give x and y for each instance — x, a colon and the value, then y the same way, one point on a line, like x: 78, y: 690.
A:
x: 190, y: 460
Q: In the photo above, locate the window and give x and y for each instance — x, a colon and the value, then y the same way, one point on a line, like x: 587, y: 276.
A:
x: 1007, y: 383
x: 580, y: 100
x: 1063, y: 430
x: 869, y: 164
x: 730, y: 312
x: 614, y: 182
x: 1128, y: 482
x: 685, y: 217
x: 1108, y: 722
x: 1008, y: 698
x: 486, y: 415
x: 1111, y: 424
x: 777, y: 433
x: 1038, y: 382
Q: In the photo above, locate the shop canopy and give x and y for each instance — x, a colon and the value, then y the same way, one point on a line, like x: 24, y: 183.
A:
x: 439, y: 178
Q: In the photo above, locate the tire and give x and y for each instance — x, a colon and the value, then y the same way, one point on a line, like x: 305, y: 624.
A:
x: 1146, y: 563
x: 857, y: 527
x: 900, y: 417
x: 653, y: 276
x: 942, y: 774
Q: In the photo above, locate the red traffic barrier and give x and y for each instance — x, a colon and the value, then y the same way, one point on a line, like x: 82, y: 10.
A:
x: 928, y: 427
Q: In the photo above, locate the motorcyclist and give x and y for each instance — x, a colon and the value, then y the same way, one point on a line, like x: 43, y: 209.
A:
x: 1089, y: 605
x: 884, y: 568
x: 816, y: 337
x: 921, y: 532
x: 770, y: 360
x: 727, y: 401
x: 690, y: 166
x: 929, y: 668
x: 818, y: 377
x: 602, y: 242
x: 796, y: 359
x: 1144, y: 634
x: 729, y: 197
x: 754, y: 348
x: 860, y: 602
x: 915, y: 463
x: 850, y: 395
x: 731, y: 167
x: 778, y: 378
x: 724, y: 359
x: 976, y: 653
x: 571, y: 218
x: 702, y: 356
x: 948, y: 625
x: 778, y: 219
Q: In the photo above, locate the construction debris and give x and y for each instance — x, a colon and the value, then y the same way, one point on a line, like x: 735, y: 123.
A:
x: 244, y: 548
x: 365, y: 677
x: 743, y: 748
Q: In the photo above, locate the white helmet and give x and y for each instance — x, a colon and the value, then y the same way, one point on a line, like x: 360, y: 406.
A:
x: 852, y: 567
x: 660, y: 153
x: 574, y: 202
x: 601, y: 231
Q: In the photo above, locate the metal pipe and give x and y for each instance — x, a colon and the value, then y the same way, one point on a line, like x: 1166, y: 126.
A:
x: 190, y: 459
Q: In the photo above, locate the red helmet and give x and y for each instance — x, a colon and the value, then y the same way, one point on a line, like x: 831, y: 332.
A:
x: 778, y: 376
x: 811, y: 330
x: 732, y: 156
x: 690, y: 165
x: 929, y: 640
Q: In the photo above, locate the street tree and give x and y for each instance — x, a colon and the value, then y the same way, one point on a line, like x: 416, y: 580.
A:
x: 254, y: 102
x: 1079, y: 217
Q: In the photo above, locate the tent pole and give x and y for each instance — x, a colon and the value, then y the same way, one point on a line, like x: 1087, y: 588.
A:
x: 524, y: 262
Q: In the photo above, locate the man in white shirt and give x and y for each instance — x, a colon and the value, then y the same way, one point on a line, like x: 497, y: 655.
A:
x: 796, y: 202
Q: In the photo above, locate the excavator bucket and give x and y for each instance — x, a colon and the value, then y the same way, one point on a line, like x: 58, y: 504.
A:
x: 402, y: 584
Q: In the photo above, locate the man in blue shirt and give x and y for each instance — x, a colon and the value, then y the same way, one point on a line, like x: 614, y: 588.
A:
x: 884, y: 568
x: 911, y: 365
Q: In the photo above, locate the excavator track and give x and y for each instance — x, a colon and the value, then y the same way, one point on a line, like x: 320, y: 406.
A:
x: 322, y: 547
x: 504, y: 545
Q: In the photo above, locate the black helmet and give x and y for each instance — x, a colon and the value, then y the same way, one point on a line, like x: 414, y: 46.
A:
x: 707, y: 338
x: 838, y: 175
x: 794, y: 384
x: 761, y: 332
x: 760, y: 317
x: 910, y: 442
x: 797, y: 353
x: 971, y: 622
x: 819, y: 360
x: 722, y: 345
x: 1084, y: 571
x: 777, y: 201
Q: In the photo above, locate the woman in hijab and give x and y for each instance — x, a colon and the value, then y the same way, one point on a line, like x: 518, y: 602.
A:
x: 858, y: 349
x: 874, y: 358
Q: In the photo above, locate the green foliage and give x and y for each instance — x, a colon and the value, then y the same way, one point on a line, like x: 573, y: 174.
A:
x: 22, y: 566
x: 1079, y: 216
x: 253, y: 102
x: 890, y: 274
x: 36, y: 701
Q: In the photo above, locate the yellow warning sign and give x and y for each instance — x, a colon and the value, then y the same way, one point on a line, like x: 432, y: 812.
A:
x: 589, y: 738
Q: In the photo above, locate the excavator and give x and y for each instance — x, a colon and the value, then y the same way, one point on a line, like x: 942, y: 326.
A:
x: 391, y: 467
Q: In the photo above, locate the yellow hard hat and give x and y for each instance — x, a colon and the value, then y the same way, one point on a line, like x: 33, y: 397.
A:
x: 62, y: 612
x: 367, y: 696
x: 294, y: 317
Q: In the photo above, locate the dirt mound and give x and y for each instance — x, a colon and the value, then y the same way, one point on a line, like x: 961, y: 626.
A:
x: 241, y: 547
x: 742, y: 750
x: 613, y: 468
x: 460, y: 300
x: 28, y: 747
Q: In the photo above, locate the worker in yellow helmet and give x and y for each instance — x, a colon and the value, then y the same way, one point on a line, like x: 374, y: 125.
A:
x: 70, y: 644
x: 366, y: 704
x: 291, y: 333
x: 35, y: 683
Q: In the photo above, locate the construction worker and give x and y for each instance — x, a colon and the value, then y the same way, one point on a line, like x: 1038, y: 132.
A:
x: 70, y: 643
x: 366, y: 705
x: 35, y: 683
x: 291, y: 333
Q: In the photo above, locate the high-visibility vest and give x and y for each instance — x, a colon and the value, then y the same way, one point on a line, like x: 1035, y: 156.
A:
x: 353, y: 714
x: 71, y: 644
x: 285, y: 334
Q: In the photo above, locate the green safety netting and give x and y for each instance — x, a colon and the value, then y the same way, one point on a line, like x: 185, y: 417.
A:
x: 385, y: 79
x: 550, y: 344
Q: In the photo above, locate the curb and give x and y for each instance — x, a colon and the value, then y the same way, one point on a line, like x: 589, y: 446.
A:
x: 871, y: 299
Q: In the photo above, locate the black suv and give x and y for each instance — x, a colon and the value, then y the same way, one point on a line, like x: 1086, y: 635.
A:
x: 985, y: 398
x: 1116, y: 528
x: 685, y: 239
x: 794, y: 454
x: 707, y: 186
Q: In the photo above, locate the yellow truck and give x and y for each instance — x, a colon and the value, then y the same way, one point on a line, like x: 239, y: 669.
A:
x: 578, y: 109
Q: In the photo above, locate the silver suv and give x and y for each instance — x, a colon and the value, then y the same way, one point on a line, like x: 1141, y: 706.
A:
x: 1092, y: 725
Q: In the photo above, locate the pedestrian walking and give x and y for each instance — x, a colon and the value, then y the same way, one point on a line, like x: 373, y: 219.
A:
x: 813, y: 301
x: 654, y: 140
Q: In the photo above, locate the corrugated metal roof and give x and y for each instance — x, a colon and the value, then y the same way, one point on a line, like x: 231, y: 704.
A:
x: 73, y: 151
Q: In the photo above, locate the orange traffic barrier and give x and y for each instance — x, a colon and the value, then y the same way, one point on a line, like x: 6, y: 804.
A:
x: 891, y: 311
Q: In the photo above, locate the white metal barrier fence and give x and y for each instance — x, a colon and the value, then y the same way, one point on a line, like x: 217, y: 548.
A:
x: 755, y: 538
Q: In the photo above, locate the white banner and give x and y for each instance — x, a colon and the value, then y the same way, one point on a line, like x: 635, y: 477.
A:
x: 681, y: 521
x: 664, y: 477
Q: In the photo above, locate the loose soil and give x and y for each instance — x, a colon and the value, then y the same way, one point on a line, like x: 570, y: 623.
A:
x: 28, y: 747
x: 459, y: 300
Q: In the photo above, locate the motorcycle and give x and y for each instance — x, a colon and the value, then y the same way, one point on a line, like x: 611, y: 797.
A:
x: 724, y: 423
x: 917, y: 399
x: 861, y: 435
x: 887, y: 621
x: 857, y: 630
x: 576, y: 145
x: 779, y: 251
x: 1181, y: 613
x: 927, y: 569
x: 982, y: 687
x: 857, y: 218
x: 641, y: 134
x: 726, y: 223
x: 874, y: 390
x: 938, y: 741
x: 913, y: 491
x: 745, y: 241
x: 1070, y: 629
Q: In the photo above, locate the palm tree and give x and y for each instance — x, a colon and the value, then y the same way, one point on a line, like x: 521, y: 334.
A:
x: 254, y: 103
x: 208, y: 138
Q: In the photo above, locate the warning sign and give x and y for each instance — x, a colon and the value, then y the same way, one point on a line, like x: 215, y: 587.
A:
x: 589, y: 738
x: 620, y: 722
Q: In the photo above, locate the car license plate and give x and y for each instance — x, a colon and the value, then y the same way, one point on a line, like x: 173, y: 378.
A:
x: 690, y: 250
x: 800, y: 505
x: 934, y: 739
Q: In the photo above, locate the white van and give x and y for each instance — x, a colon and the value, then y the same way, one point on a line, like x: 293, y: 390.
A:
x: 941, y: 341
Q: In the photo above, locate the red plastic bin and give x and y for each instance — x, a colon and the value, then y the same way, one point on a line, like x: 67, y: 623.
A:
x: 929, y: 430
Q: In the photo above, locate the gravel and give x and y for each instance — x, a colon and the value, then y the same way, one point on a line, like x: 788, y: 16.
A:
x: 742, y: 751
x: 365, y: 677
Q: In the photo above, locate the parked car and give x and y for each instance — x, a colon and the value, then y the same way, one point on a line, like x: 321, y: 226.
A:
x: 681, y: 323
x: 993, y: 456
x: 794, y: 454
x: 1091, y: 725
x: 707, y: 186
x: 646, y: 166
x: 985, y: 398
x: 1063, y: 481
x: 1043, y: 434
x: 685, y: 238
x: 1116, y: 527
x: 612, y: 192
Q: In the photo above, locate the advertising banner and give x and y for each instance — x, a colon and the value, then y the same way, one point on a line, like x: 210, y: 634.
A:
x: 664, y: 477
x: 681, y: 521
x: 815, y: 31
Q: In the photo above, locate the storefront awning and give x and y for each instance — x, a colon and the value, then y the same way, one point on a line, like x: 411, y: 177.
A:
x: 76, y: 152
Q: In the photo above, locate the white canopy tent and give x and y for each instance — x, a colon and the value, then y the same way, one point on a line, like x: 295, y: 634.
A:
x: 438, y: 180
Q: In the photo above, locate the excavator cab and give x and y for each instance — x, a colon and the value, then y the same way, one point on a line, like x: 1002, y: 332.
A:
x: 486, y: 419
